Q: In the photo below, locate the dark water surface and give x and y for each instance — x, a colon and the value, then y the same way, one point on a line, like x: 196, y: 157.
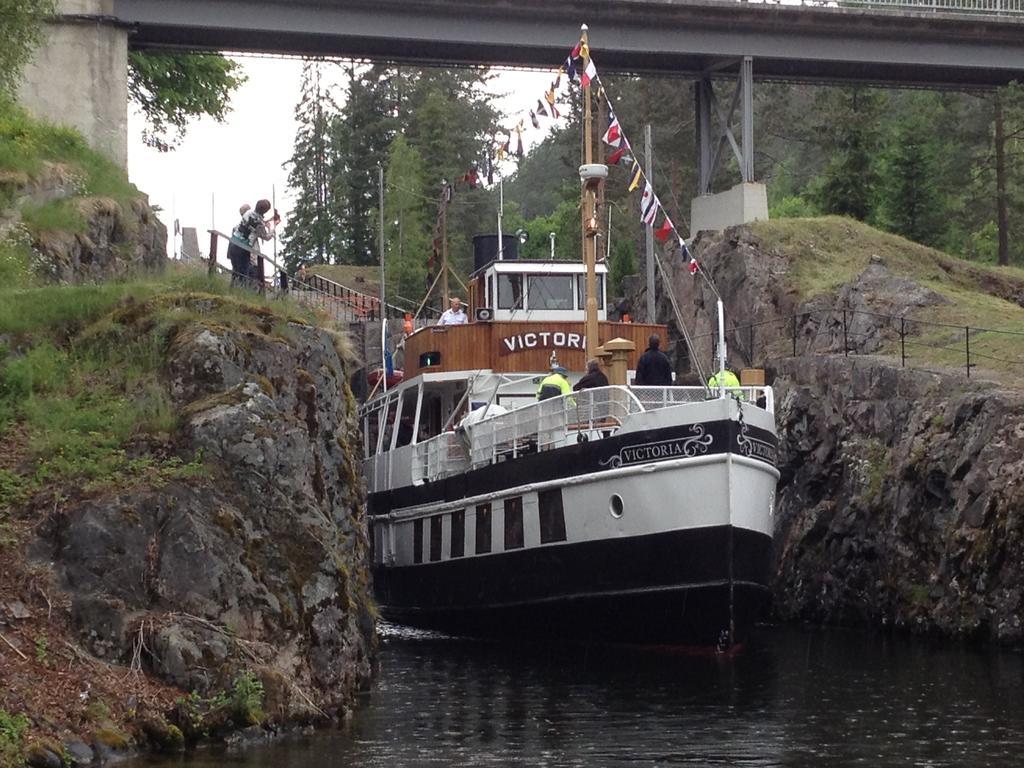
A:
x: 793, y: 698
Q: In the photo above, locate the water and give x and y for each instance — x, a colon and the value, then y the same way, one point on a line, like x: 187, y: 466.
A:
x: 795, y: 698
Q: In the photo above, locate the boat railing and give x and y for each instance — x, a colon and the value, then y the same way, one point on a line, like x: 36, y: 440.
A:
x: 590, y: 414
x: 653, y: 398
x: 548, y: 423
x: 440, y: 456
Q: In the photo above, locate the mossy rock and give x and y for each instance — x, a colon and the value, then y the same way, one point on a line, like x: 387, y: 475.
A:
x: 112, y: 738
x: 162, y: 735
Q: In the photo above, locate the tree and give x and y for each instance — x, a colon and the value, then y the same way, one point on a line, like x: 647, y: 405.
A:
x: 311, y: 237
x: 909, y: 202
x: 848, y: 122
x: 21, y: 30
x: 406, y: 229
x: 172, y: 88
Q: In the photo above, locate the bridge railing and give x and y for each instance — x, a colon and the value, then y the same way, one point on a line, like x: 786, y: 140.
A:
x: 982, y: 7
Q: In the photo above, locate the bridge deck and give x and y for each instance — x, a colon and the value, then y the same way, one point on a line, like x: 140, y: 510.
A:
x: 789, y: 42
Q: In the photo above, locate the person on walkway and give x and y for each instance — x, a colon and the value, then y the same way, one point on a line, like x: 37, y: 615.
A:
x: 731, y: 382
x: 555, y: 384
x: 593, y: 378
x: 250, y: 230
x: 454, y: 315
x: 653, y: 368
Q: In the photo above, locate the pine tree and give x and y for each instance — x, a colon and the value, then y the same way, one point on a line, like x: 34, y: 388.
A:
x: 313, y: 223
x: 909, y: 202
x: 407, y: 231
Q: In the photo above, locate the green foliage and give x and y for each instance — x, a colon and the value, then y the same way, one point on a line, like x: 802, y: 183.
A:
x: 406, y: 226
x: 21, y: 30
x: 246, y: 699
x: 42, y: 646
x: 12, y: 733
x: 623, y: 264
x: 55, y: 216
x: 793, y: 207
x: 173, y: 88
x: 26, y: 143
x: 909, y: 201
x: 16, y: 257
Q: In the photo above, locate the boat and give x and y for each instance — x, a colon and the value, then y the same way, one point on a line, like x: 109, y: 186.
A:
x: 623, y: 513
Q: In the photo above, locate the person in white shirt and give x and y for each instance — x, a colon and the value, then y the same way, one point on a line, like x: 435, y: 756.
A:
x: 454, y: 315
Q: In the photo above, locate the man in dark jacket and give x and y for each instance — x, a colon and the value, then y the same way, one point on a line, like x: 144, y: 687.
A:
x: 593, y: 378
x: 653, y: 369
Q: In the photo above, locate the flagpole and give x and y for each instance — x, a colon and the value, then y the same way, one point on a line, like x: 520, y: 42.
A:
x: 380, y: 309
x: 444, y: 249
x: 649, y: 231
x: 589, y: 221
x: 501, y: 212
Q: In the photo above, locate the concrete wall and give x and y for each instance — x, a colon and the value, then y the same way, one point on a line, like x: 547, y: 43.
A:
x: 739, y: 205
x: 79, y: 77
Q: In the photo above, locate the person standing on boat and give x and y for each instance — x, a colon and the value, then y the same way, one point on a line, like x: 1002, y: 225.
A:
x: 593, y: 378
x: 555, y: 384
x: 653, y: 368
x: 731, y: 382
x: 454, y: 315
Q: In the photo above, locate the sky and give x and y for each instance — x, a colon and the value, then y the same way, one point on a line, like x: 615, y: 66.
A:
x: 220, y: 166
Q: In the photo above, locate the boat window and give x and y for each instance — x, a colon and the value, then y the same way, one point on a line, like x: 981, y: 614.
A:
x: 417, y: 540
x: 510, y: 291
x: 514, y: 523
x: 407, y: 418
x: 483, y: 529
x: 552, y: 516
x: 458, y: 533
x: 581, y: 291
x: 371, y: 431
x: 435, y: 537
x: 389, y: 424
x: 549, y: 292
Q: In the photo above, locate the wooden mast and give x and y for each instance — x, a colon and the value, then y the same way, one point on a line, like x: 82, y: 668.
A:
x: 588, y: 208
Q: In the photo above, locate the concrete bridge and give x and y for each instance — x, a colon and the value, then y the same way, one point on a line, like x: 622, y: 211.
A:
x: 80, y: 76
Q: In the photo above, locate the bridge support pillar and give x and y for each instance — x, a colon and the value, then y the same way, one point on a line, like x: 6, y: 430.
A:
x: 79, y: 76
x: 747, y: 201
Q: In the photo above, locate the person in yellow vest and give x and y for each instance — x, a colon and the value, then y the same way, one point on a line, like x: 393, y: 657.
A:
x: 731, y: 382
x: 555, y: 384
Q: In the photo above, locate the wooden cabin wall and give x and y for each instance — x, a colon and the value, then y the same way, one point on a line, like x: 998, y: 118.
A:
x: 482, y: 345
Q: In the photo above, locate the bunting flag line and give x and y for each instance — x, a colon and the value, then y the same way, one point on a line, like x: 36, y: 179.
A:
x: 636, y: 173
x: 613, y: 136
x: 665, y: 230
x: 649, y: 205
x: 589, y: 74
x: 616, y: 157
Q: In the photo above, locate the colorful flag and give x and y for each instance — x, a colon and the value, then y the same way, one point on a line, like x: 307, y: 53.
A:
x: 649, y: 205
x: 558, y: 81
x: 570, y: 68
x: 635, y: 175
x: 519, y: 139
x: 694, y: 266
x: 589, y: 74
x: 577, y: 50
x: 665, y: 230
x: 582, y: 49
x: 541, y: 109
x: 534, y: 120
x: 613, y: 136
x: 616, y: 157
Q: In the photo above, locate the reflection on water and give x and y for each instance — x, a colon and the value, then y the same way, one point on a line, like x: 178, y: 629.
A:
x: 795, y: 698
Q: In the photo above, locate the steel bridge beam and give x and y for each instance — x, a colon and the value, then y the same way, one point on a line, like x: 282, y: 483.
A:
x: 684, y: 37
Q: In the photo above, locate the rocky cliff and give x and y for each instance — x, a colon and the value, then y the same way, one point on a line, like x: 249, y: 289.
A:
x: 901, y: 501
x: 219, y: 578
x: 76, y: 237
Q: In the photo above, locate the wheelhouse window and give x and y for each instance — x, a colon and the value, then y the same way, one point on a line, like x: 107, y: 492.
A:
x: 581, y: 291
x: 514, y: 523
x: 549, y: 292
x: 483, y: 529
x: 510, y: 291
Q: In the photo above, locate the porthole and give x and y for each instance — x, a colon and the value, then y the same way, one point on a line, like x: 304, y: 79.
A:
x: 615, y: 505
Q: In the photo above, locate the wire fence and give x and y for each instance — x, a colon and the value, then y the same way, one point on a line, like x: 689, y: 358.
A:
x: 917, y: 343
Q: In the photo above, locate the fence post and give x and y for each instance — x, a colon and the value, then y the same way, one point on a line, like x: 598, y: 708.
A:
x: 967, y: 338
x: 794, y: 335
x: 903, y: 338
x: 846, y: 346
x: 213, y: 254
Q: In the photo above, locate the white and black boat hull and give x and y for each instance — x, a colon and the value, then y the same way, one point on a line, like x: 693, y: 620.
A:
x: 656, y: 535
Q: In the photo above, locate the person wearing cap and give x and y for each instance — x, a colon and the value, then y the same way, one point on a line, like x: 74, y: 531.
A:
x: 593, y: 378
x: 555, y: 384
x: 454, y: 315
x: 653, y: 369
